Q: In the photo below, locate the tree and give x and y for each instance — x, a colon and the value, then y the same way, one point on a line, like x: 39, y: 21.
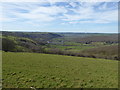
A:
x: 8, y: 45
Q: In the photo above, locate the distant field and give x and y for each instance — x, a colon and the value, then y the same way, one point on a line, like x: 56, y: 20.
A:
x: 25, y: 70
x: 79, y: 46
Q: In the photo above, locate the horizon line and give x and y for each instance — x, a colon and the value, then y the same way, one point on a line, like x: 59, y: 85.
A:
x: 59, y: 32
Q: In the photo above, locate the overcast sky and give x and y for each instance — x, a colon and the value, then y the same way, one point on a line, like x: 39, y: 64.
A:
x: 100, y: 17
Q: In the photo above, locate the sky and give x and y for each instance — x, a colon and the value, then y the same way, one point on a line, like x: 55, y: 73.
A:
x: 77, y: 16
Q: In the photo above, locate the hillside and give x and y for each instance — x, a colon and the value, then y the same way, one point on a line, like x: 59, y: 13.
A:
x: 39, y: 36
x: 25, y: 70
x: 19, y: 44
x: 26, y: 41
x: 102, y: 38
x: 90, y: 37
x: 107, y: 52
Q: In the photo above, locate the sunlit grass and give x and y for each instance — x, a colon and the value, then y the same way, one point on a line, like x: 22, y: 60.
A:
x: 25, y: 70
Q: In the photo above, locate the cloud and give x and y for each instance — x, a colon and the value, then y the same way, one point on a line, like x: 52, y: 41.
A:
x: 50, y: 12
x: 32, y: 11
x: 20, y: 0
x: 53, y: 10
x: 53, y: 1
x: 87, y: 13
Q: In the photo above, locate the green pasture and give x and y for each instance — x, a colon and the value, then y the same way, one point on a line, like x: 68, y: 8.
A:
x: 25, y: 70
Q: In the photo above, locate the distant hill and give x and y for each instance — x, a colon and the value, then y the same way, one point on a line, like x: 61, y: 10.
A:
x: 90, y: 37
x: 39, y: 36
x: 19, y: 44
x: 26, y: 41
x: 113, y: 38
x: 72, y: 44
x: 107, y: 52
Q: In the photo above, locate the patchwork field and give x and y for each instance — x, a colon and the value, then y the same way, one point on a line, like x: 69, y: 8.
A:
x: 25, y: 70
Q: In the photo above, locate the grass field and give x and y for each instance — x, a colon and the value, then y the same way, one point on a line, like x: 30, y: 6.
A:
x: 25, y: 70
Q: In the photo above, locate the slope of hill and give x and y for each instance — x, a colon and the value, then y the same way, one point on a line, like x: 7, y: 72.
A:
x: 39, y: 36
x: 102, y: 38
x: 107, y: 52
x: 19, y: 44
x: 93, y: 37
x: 25, y: 70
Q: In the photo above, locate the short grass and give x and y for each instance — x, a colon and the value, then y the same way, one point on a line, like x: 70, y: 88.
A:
x: 78, y: 47
x: 25, y: 70
x: 68, y: 47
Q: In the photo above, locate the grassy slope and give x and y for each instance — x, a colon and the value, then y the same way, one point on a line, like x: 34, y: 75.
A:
x: 54, y: 71
x: 110, y: 51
